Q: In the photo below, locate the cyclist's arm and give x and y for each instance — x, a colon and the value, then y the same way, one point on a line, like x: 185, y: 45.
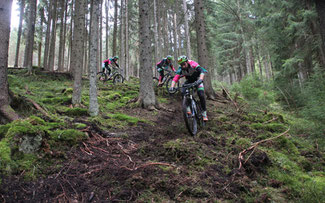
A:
x: 172, y: 67
x: 202, y: 71
x: 176, y: 77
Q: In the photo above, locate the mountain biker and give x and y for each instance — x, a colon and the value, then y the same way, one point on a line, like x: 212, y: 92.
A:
x: 194, y: 73
x: 109, y: 61
x: 163, y: 65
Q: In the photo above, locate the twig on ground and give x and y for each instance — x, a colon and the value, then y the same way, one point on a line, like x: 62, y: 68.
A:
x: 242, y: 153
x: 235, y: 103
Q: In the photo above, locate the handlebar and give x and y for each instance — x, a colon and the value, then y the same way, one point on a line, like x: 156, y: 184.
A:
x: 190, y: 85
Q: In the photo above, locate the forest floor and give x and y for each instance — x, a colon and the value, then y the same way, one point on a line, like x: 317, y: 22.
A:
x: 136, y: 155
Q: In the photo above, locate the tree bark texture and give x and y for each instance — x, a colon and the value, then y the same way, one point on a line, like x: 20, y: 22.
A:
x: 28, y: 60
x: 147, y: 95
x: 115, y: 28
x: 6, y: 112
x: 47, y: 37
x: 320, y: 7
x: 21, y: 17
x: 93, y: 103
x: 201, y: 46
x: 187, y: 34
x: 77, y: 50
x: 62, y: 38
x: 53, y: 37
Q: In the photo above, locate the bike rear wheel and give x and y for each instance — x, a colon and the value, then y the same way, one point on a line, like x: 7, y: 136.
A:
x: 169, y: 84
x: 101, y: 76
x: 118, y: 78
x: 199, y: 115
x: 190, y: 120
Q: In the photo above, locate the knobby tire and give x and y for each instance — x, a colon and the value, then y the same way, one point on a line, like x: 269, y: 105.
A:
x: 190, y: 120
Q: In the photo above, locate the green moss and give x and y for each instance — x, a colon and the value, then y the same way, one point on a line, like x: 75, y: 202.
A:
x: 243, y: 143
x: 287, y: 145
x: 57, y: 100
x: 36, y: 120
x: 80, y: 125
x: 70, y: 136
x: 272, y: 127
x: 23, y: 127
x: 5, y: 153
x: 68, y: 91
x: 76, y: 112
x: 4, y: 129
x: 124, y: 117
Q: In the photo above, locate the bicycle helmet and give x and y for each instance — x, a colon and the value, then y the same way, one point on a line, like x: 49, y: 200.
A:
x: 115, y: 57
x: 170, y: 57
x: 182, y: 59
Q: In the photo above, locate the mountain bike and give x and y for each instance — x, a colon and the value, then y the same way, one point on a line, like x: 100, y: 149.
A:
x: 167, y: 80
x: 194, y: 120
x: 115, y: 75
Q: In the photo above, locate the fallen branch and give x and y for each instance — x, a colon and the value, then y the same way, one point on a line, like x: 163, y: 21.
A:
x: 228, y: 95
x: 273, y: 119
x: 242, y: 153
x: 37, y: 106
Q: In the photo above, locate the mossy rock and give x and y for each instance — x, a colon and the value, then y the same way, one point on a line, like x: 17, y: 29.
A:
x: 69, y: 136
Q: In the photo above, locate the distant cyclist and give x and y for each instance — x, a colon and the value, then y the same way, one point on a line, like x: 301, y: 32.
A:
x: 193, y: 73
x: 108, y: 62
x: 163, y: 65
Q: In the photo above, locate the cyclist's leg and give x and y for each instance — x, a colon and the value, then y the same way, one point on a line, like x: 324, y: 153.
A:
x: 188, y: 108
x: 109, y: 70
x: 200, y: 92
x: 161, y: 76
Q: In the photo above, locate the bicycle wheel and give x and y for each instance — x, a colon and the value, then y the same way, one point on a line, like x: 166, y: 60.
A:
x: 199, y: 115
x: 118, y: 78
x: 101, y: 76
x: 190, y: 120
x: 169, y: 84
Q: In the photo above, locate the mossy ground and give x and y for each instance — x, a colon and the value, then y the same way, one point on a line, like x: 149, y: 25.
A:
x: 130, y: 154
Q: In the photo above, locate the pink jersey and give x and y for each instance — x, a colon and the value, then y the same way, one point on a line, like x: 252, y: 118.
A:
x: 107, y: 61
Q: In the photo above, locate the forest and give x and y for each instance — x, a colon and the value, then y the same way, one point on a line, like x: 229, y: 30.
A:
x: 87, y: 116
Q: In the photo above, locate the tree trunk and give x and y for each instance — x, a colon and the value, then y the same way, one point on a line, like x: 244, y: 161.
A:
x: 41, y: 13
x: 21, y: 17
x: 155, y: 31
x: 115, y: 28
x: 47, y: 38
x: 77, y: 50
x: 93, y: 103
x: 28, y: 60
x: 187, y: 34
x: 6, y: 112
x: 320, y: 7
x: 53, y: 38
x: 126, y: 41
x: 122, y: 37
x: 106, y: 30
x: 147, y: 97
x: 165, y: 30
x: 201, y: 46
x: 100, y: 34
x: 175, y: 34
x: 61, y: 42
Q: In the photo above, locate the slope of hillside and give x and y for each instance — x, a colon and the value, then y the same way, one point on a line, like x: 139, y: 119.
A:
x: 131, y: 154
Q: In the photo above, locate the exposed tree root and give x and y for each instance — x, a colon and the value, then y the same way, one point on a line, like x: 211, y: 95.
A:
x: 8, y: 113
x: 242, y: 153
x: 37, y: 106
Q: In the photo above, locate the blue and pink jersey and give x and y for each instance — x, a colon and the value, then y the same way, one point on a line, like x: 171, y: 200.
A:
x: 192, y: 73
